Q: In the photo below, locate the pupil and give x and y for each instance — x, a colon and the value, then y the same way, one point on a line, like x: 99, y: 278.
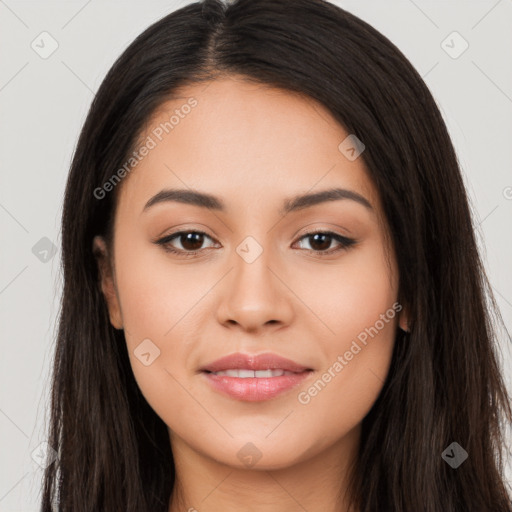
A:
x: 189, y: 240
x: 316, y: 236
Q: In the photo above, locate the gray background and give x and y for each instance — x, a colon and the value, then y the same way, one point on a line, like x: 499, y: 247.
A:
x: 43, y: 103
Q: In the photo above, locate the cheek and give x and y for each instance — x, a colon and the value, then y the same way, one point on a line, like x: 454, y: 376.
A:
x: 159, y: 304
x: 358, y: 308
x: 155, y: 293
x: 348, y: 297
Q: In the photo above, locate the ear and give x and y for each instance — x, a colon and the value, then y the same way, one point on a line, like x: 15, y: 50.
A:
x: 107, y: 281
x: 403, y: 319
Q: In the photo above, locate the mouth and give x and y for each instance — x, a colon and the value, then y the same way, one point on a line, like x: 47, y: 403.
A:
x: 255, y: 374
x: 254, y: 377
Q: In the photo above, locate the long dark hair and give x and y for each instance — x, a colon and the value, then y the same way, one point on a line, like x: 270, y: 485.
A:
x: 444, y: 383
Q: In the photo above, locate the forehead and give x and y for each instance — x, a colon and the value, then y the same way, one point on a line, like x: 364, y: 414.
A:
x: 244, y: 141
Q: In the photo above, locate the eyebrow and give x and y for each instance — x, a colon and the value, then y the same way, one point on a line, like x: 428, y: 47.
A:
x: 292, y: 204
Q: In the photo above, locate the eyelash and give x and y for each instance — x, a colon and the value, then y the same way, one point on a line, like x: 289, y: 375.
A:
x: 344, y: 242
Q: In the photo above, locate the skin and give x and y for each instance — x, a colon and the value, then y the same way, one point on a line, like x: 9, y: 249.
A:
x: 253, y: 146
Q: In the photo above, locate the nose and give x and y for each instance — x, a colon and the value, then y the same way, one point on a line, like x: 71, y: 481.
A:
x: 254, y: 297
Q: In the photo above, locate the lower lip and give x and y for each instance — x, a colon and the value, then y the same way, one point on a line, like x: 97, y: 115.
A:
x: 255, y: 389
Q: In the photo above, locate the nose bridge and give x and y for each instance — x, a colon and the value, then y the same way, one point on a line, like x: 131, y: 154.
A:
x: 252, y: 276
x: 253, y: 295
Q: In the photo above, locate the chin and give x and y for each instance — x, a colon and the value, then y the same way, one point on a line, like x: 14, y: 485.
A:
x: 256, y: 452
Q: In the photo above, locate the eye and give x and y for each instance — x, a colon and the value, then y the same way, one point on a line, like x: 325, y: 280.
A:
x: 191, y: 243
x: 320, y: 242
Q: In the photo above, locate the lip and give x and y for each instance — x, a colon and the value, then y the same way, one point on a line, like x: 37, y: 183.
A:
x: 254, y: 389
x: 254, y: 362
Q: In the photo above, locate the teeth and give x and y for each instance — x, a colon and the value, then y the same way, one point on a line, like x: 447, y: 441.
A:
x: 259, y: 374
x: 263, y: 373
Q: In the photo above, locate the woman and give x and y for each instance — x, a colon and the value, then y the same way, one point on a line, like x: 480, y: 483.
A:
x: 273, y: 298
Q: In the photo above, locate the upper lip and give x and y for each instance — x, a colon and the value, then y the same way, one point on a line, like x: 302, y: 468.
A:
x: 264, y: 361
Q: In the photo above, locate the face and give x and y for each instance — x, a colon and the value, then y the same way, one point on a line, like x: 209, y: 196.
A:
x: 251, y: 271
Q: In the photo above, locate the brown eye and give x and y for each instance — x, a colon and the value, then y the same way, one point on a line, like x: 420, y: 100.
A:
x: 191, y: 242
x: 320, y: 242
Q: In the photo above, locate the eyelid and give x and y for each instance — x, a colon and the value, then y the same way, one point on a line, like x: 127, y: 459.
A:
x: 196, y: 228
x: 308, y: 230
